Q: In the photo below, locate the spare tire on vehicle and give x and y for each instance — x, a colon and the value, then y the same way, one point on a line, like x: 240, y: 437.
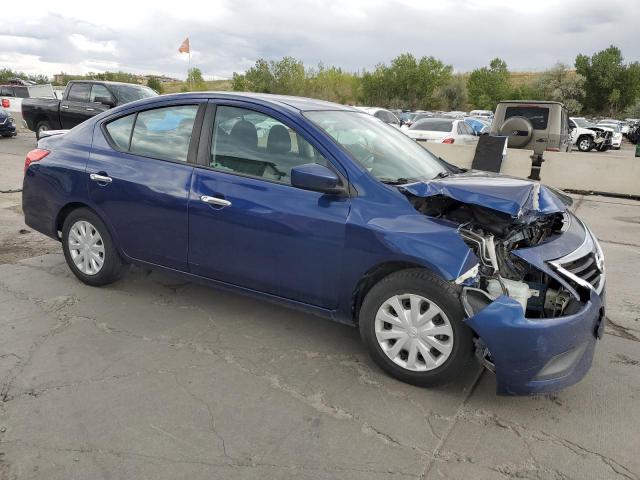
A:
x: 518, y: 129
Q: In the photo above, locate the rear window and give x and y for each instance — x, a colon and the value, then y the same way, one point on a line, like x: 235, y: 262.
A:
x: 433, y: 125
x: 538, y: 116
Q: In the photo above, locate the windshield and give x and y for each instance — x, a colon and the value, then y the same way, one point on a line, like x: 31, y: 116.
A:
x: 386, y: 152
x: 581, y: 122
x: 130, y: 93
x: 614, y: 126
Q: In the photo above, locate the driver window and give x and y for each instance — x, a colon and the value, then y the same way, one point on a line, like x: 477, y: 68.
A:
x: 254, y: 144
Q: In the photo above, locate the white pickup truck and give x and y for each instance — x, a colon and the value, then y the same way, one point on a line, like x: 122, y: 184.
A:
x: 11, y: 97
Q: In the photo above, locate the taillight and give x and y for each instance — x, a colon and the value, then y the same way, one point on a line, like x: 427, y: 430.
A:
x: 34, y: 156
x: 449, y: 140
x: 6, y: 103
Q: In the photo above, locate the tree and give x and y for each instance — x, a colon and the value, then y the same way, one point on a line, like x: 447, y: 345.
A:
x: 257, y: 79
x: 195, y: 81
x: 453, y: 95
x: 155, y: 84
x: 562, y: 85
x: 487, y: 86
x: 7, y: 74
x: 610, y: 84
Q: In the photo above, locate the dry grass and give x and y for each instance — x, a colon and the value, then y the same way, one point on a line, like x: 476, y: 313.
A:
x: 216, y: 85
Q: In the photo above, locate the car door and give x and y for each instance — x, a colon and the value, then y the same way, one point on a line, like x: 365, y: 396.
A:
x: 465, y: 132
x: 73, y: 108
x: 140, y: 171
x: 248, y: 225
x: 94, y: 107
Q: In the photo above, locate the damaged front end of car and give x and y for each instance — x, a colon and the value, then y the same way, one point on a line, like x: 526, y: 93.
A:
x: 536, y: 297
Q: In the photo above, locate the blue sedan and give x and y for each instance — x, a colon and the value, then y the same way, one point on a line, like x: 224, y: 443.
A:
x: 331, y: 211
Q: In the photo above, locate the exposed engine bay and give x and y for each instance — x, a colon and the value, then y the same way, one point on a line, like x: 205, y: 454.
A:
x: 493, y: 236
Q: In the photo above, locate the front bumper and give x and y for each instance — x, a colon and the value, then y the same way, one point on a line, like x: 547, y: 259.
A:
x: 7, y: 128
x: 539, y: 355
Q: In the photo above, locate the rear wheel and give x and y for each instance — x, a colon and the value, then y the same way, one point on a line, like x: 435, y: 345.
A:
x: 585, y: 144
x: 89, y: 249
x: 411, y: 323
x: 42, y: 126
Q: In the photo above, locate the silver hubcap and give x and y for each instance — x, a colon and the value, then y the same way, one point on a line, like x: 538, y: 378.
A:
x: 414, y: 332
x: 584, y: 144
x: 86, y: 247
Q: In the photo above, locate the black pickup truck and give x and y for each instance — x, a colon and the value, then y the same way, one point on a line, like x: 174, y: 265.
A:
x: 82, y: 99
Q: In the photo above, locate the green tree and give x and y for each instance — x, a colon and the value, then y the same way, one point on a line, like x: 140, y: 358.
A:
x: 562, y: 85
x: 453, y: 95
x: 257, y: 79
x: 610, y: 84
x: 488, y: 85
x: 288, y: 76
x: 7, y: 74
x: 195, y: 82
x: 155, y: 84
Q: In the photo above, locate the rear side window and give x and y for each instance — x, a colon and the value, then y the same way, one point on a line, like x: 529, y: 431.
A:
x: 120, y: 131
x: 163, y: 133
x: 79, y: 92
x: 538, y: 116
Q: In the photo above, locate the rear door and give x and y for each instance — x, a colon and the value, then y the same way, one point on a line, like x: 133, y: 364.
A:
x: 261, y: 232
x: 140, y: 172
x: 94, y: 107
x: 73, y: 109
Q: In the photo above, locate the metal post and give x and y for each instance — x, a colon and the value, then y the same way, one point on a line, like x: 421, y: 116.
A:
x: 536, y: 165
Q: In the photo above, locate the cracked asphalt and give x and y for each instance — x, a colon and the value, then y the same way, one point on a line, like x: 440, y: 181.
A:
x: 153, y: 377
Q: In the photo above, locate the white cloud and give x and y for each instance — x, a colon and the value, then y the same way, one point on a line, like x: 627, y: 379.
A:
x: 229, y: 35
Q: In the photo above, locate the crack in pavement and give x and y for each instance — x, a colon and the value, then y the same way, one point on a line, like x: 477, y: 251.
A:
x: 178, y: 461
x: 483, y: 418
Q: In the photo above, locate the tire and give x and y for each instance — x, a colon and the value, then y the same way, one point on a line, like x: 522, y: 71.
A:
x: 585, y: 143
x: 41, y: 126
x: 87, y: 272
x: 428, y: 368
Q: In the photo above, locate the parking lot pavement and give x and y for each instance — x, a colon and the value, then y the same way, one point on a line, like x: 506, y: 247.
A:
x: 153, y: 377
x: 12, y: 153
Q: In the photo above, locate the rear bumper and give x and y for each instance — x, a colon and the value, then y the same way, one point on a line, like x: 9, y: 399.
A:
x: 539, y: 355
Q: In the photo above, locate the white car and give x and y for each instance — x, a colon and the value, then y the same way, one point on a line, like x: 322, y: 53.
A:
x: 586, y: 136
x: 442, y: 130
x: 616, y: 140
x: 385, y: 115
x: 481, y: 113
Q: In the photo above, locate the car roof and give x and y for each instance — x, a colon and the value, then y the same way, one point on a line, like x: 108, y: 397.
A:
x: 289, y: 101
x: 530, y: 102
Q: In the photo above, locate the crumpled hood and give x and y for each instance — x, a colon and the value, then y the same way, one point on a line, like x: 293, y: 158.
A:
x: 514, y: 196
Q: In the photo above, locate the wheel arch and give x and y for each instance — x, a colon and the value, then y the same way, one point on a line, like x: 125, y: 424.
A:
x: 371, y: 277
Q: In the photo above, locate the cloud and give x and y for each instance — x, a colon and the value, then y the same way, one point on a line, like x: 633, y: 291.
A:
x: 229, y: 35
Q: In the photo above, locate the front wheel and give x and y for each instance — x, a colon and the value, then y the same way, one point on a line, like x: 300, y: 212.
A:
x: 89, y: 249
x: 585, y: 144
x: 412, y: 325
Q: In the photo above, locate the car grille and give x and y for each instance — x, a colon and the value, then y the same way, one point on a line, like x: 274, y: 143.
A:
x: 586, y: 268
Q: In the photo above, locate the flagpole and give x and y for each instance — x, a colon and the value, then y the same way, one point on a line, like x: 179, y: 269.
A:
x: 189, y: 71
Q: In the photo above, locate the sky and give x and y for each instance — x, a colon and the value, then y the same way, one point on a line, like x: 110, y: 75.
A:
x: 46, y: 37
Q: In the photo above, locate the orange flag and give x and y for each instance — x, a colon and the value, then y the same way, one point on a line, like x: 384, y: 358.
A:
x: 184, y: 48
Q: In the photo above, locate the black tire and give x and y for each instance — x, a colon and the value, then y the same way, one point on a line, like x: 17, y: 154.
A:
x: 41, y: 126
x: 112, y: 266
x: 446, y: 296
x: 585, y: 143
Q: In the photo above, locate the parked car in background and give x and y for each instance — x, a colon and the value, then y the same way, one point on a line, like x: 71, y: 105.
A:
x: 586, y: 136
x: 480, y: 125
x: 12, y: 96
x: 616, y: 140
x: 488, y: 114
x: 416, y: 117
x: 7, y: 124
x: 335, y: 213
x: 82, y: 99
x: 442, y: 130
x: 385, y: 115
x: 533, y: 125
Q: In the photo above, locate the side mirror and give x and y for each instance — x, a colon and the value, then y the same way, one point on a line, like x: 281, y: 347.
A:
x: 312, y: 176
x: 108, y: 101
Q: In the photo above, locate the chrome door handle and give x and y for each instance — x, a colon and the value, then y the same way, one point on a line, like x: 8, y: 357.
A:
x: 90, y: 109
x: 64, y: 106
x: 221, y: 202
x: 100, y: 178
